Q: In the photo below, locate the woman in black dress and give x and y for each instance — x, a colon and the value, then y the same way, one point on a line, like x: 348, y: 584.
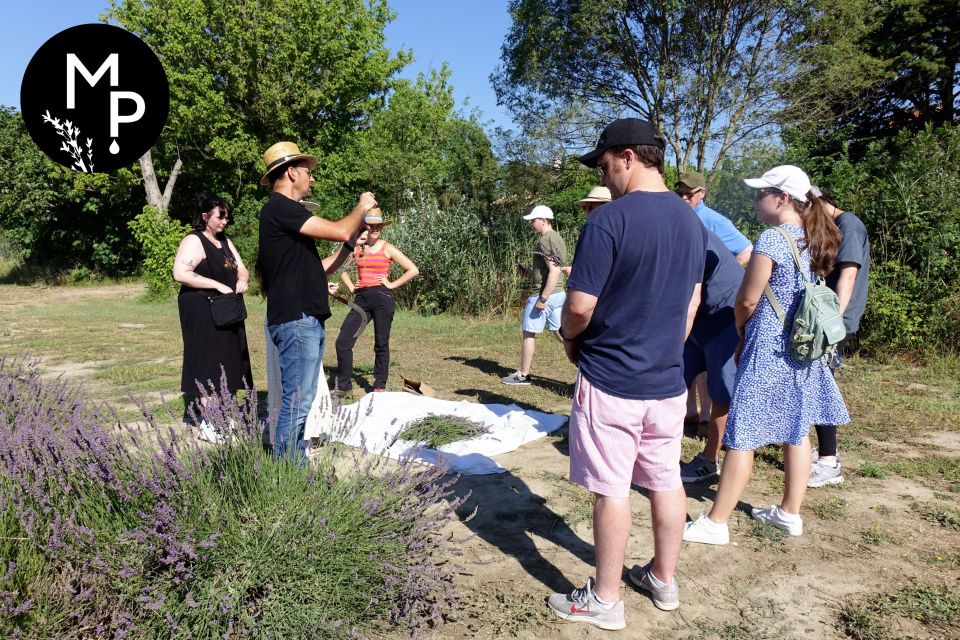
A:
x: 207, y: 264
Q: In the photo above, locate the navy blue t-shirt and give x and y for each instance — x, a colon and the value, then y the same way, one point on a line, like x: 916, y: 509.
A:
x: 722, y: 275
x: 641, y: 255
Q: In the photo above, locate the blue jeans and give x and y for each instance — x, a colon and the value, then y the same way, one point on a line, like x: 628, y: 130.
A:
x: 300, y: 344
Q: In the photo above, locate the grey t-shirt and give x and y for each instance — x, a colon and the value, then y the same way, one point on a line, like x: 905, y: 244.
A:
x: 855, y: 248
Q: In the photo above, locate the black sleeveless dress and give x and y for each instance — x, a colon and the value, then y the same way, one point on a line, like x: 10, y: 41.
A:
x: 205, y: 347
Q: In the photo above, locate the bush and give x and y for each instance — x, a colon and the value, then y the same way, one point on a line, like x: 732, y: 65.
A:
x: 139, y: 532
x: 159, y: 236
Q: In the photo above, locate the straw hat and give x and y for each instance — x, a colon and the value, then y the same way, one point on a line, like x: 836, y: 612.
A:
x: 597, y: 194
x: 375, y: 216
x: 284, y: 153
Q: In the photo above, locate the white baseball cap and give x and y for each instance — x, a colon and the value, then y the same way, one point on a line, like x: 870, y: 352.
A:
x: 787, y: 178
x: 540, y: 211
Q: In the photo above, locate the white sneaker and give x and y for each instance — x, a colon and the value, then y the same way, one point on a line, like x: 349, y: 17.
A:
x: 706, y: 531
x: 777, y: 517
x: 823, y: 474
x: 516, y: 378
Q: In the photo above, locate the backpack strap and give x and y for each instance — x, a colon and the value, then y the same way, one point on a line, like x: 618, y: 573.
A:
x: 767, y: 291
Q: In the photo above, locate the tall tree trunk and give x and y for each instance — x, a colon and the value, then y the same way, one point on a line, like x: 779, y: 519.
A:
x: 156, y: 199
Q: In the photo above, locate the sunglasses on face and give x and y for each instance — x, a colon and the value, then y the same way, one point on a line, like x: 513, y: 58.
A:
x: 686, y: 195
x: 763, y: 193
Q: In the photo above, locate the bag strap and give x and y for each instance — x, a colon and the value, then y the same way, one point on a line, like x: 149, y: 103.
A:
x: 767, y: 291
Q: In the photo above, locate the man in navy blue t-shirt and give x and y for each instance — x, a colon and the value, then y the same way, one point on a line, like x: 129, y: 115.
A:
x: 631, y: 300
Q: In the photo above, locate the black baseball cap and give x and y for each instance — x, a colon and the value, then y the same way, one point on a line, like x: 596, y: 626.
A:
x: 623, y: 132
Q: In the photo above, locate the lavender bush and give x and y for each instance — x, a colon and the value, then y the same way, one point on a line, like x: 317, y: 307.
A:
x: 109, y: 530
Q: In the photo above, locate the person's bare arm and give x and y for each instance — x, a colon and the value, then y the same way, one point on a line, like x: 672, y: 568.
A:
x: 845, y: 282
x: 410, y: 270
x: 189, y: 255
x: 243, y: 276
x: 755, y: 279
x: 744, y: 256
x: 575, y: 317
x: 332, y: 262
x: 345, y: 228
x: 692, y: 308
x: 348, y: 282
x: 553, y: 277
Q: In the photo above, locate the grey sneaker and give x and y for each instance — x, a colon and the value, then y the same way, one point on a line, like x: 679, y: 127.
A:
x: 698, y: 469
x: 776, y: 517
x: 582, y: 606
x: 516, y: 378
x: 823, y: 474
x: 666, y: 598
x: 705, y: 531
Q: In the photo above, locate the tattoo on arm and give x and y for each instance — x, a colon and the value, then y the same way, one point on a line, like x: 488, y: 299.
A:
x: 188, y: 263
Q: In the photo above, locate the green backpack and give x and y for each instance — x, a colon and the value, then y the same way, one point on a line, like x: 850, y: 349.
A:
x: 817, y: 324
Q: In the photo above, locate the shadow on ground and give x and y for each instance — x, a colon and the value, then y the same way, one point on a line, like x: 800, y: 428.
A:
x: 515, y: 526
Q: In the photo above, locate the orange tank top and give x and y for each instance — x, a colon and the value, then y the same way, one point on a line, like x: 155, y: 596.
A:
x: 371, y: 265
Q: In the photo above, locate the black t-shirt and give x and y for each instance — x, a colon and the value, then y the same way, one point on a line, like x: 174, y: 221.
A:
x: 290, y: 264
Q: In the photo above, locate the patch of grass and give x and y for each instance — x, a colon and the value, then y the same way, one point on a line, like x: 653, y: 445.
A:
x: 878, y: 537
x: 832, y: 509
x: 363, y: 369
x: 872, y: 470
x: 938, y: 514
x: 766, y: 533
x: 935, y: 607
x: 436, y: 431
x: 941, y: 470
x: 941, y: 558
x: 882, y: 509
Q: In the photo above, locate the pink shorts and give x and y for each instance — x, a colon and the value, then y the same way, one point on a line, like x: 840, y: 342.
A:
x: 615, y: 442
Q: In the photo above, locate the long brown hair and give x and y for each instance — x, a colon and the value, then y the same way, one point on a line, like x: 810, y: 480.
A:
x: 823, y: 236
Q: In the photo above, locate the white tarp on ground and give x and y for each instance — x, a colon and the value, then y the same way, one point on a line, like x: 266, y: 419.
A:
x: 378, y: 418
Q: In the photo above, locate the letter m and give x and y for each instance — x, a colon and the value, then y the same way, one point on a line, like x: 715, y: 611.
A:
x: 73, y: 65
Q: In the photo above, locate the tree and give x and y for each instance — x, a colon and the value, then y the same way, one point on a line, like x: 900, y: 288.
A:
x: 878, y: 67
x: 246, y: 73
x: 419, y: 146
x: 703, y: 72
x: 56, y: 218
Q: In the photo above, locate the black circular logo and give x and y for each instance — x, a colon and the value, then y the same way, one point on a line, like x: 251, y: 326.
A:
x: 94, y: 98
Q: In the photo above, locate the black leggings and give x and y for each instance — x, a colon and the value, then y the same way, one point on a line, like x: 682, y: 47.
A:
x: 378, y: 303
x: 827, y: 433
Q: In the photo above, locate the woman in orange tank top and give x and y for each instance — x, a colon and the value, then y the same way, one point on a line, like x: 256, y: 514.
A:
x: 372, y: 293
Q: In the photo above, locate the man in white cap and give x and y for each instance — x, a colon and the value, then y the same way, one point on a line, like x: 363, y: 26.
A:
x: 630, y: 305
x: 293, y: 277
x: 547, y: 296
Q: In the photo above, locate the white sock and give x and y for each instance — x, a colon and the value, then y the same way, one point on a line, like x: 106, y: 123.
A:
x: 603, y: 603
x: 792, y: 517
x: 657, y: 582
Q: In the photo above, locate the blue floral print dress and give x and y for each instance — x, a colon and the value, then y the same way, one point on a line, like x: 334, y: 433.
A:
x: 776, y: 399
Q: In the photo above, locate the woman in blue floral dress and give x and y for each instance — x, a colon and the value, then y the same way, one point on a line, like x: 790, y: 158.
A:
x: 776, y: 399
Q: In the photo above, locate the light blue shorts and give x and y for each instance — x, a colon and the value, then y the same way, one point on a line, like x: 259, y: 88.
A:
x: 534, y: 321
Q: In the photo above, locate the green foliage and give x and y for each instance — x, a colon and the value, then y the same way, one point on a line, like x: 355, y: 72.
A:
x: 435, y: 431
x: 466, y: 265
x: 58, y: 219
x: 159, y: 236
x: 936, y: 607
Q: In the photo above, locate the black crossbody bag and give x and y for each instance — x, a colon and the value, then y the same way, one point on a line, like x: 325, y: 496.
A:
x: 227, y: 309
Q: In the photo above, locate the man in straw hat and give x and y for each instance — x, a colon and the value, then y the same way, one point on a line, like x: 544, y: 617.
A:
x: 630, y: 304
x: 597, y: 197
x: 295, y: 282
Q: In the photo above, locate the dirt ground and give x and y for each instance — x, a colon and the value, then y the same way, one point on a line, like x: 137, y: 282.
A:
x: 532, y: 535
x: 884, y: 530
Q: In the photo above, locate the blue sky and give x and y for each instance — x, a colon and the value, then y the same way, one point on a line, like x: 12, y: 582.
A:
x: 466, y: 34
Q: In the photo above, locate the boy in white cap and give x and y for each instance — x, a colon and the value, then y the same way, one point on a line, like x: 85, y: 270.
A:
x: 547, y: 295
